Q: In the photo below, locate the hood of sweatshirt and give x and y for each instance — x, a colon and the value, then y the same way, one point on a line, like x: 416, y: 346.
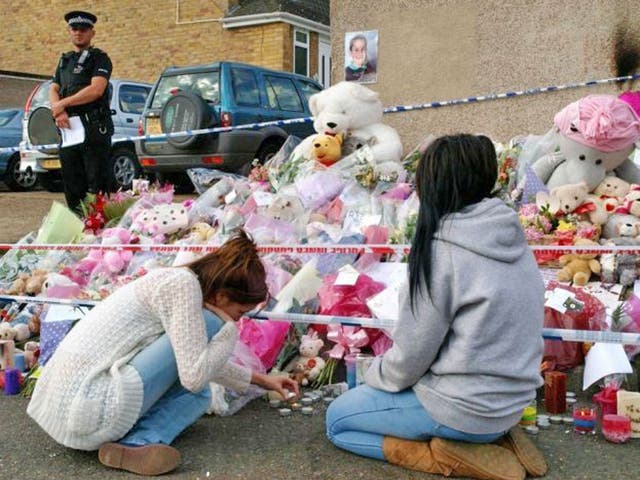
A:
x: 488, y: 228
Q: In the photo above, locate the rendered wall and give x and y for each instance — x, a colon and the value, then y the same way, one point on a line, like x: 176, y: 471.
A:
x: 432, y: 50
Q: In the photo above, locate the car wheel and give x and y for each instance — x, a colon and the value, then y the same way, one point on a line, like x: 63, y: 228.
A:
x: 16, y: 180
x: 51, y: 181
x: 123, y: 169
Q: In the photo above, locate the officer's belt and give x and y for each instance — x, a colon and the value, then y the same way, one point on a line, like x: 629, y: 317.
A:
x: 93, y: 116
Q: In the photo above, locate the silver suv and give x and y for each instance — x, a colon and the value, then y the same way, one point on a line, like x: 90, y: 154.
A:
x: 127, y: 99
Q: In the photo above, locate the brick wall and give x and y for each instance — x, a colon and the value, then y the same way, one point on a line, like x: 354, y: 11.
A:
x: 142, y: 37
x: 15, y: 91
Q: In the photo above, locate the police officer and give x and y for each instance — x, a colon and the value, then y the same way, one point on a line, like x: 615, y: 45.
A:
x: 80, y: 88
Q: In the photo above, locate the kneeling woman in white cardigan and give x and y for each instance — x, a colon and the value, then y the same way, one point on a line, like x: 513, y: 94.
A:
x: 136, y: 369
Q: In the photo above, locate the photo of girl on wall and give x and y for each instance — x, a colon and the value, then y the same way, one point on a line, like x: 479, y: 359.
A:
x: 361, y: 56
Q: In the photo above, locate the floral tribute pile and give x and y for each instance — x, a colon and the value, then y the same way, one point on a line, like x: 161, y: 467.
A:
x: 288, y: 201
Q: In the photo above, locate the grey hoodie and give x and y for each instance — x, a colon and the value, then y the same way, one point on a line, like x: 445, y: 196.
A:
x: 472, y: 354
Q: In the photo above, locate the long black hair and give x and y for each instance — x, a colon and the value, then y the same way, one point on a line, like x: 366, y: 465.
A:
x: 454, y: 172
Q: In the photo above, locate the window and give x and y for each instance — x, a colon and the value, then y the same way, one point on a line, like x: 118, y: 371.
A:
x: 245, y: 87
x: 133, y: 98
x: 301, y: 52
x: 308, y: 89
x: 282, y: 94
x: 204, y: 84
x: 6, y: 116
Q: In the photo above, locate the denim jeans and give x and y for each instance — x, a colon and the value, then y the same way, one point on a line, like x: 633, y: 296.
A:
x: 167, y: 407
x: 358, y: 420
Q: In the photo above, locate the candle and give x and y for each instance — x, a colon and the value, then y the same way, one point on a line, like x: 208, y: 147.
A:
x: 529, y: 414
x: 11, y: 381
x: 616, y: 428
x: 555, y: 392
x: 584, y: 419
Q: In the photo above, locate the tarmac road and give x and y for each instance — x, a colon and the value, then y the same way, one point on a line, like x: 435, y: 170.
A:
x: 256, y: 443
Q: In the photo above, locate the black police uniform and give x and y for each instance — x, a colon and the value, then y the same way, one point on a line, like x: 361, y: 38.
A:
x: 85, y: 166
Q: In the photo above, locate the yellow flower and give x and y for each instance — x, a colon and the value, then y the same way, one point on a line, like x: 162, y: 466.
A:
x: 565, y: 226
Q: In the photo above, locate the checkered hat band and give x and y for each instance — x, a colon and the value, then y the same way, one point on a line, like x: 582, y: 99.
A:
x: 73, y: 20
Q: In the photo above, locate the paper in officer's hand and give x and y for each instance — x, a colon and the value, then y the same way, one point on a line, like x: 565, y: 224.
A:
x: 74, y: 135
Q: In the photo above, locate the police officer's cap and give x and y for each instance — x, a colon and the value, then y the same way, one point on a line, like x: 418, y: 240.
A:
x: 78, y: 18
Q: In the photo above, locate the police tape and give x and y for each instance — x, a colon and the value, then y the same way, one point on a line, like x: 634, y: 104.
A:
x: 396, y: 109
x: 351, y: 249
x: 566, y: 335
x: 293, y: 249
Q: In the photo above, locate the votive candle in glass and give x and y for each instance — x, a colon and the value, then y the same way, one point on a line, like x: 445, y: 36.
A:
x: 584, y: 418
x: 616, y: 428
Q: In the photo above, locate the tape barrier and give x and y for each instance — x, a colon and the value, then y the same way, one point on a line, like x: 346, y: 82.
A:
x: 396, y: 109
x: 560, y: 334
x: 299, y: 249
x: 308, y: 249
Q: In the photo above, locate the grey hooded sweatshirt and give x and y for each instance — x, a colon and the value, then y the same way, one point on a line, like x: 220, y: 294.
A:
x: 472, y: 353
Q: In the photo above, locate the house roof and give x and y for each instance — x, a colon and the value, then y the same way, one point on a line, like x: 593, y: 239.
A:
x: 315, y: 10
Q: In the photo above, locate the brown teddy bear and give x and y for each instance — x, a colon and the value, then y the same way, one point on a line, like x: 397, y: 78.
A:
x: 577, y: 267
x: 34, y: 283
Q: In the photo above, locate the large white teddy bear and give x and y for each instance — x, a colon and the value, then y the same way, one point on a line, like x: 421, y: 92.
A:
x: 353, y: 110
x: 592, y: 138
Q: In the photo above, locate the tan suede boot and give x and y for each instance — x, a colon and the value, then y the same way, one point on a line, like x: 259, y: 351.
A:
x: 528, y: 454
x: 449, y: 458
x: 154, y: 459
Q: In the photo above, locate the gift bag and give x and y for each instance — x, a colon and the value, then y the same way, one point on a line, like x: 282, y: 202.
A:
x: 582, y: 311
x: 56, y: 322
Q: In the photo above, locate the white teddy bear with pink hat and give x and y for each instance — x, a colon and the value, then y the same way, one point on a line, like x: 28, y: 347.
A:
x: 591, y: 139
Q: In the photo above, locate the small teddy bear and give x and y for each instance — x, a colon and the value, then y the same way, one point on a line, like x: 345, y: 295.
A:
x: 19, y: 285
x: 577, y: 267
x: 308, y: 365
x: 563, y: 199
x: 34, y: 283
x: 327, y: 149
x: 285, y: 207
x: 18, y: 332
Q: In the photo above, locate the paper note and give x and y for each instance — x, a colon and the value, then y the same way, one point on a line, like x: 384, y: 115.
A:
x: 604, y: 359
x: 347, y: 275
x: 386, y: 304
x: 73, y: 135
x: 59, y: 313
x: 263, y: 199
x: 629, y: 405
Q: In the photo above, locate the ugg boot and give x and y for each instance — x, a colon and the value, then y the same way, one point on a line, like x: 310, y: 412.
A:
x: 528, y: 454
x: 450, y: 458
x: 154, y: 459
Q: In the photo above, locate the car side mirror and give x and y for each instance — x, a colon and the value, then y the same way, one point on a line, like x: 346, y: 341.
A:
x: 113, y: 111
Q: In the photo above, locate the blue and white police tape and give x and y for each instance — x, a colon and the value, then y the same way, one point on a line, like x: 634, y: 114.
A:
x: 565, y: 335
x: 398, y: 108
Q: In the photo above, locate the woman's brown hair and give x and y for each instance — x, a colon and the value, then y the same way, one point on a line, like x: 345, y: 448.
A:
x: 235, y: 270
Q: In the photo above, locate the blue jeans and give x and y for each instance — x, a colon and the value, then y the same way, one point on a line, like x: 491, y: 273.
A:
x: 358, y: 420
x: 167, y: 407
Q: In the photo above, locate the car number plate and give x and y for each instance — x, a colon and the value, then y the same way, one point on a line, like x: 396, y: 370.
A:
x: 153, y: 126
x: 51, y: 164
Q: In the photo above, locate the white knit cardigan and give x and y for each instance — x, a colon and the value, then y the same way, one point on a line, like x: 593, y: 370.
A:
x: 87, y: 393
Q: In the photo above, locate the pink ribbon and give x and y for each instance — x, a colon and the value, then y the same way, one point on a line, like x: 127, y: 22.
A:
x: 347, y: 339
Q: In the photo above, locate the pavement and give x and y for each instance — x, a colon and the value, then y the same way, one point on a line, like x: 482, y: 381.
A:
x: 256, y: 443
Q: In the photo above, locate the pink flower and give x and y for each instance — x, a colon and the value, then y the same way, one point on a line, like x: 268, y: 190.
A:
x: 533, y: 234
x: 545, y: 224
x: 528, y: 210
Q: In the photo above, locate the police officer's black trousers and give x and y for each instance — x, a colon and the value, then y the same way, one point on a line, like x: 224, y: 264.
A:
x: 85, y: 169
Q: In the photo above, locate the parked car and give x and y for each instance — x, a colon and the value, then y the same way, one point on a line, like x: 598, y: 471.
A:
x: 221, y: 94
x: 10, y: 135
x: 127, y: 99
